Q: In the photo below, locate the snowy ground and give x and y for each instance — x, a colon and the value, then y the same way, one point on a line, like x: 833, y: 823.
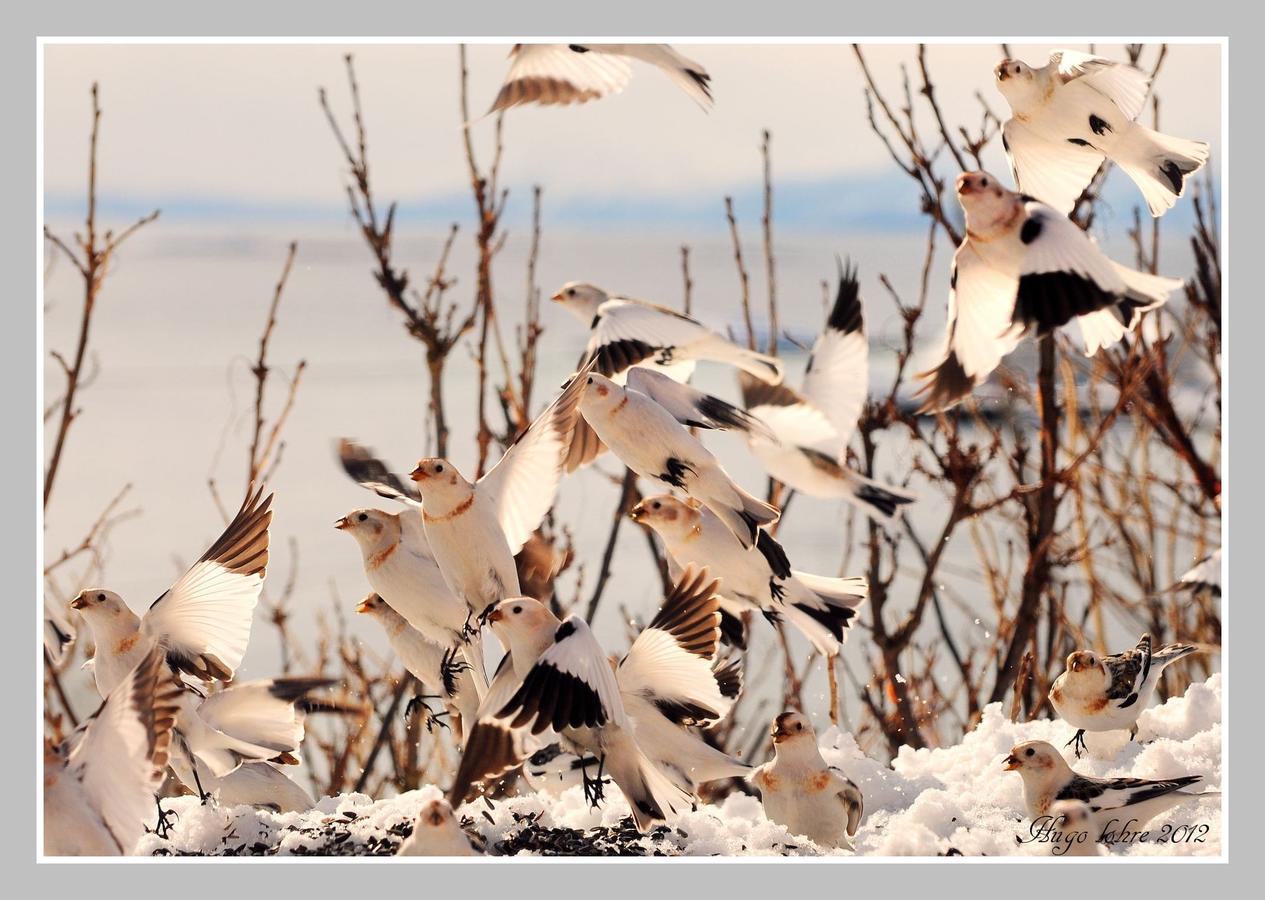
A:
x: 955, y: 800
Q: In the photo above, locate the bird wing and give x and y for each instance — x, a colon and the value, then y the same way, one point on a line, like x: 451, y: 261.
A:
x: 523, y: 484
x: 979, y: 332
x: 1117, y: 793
x: 120, y: 753
x: 203, y: 620
x: 1122, y: 84
x: 670, y: 662
x: 59, y: 633
x: 626, y: 332
x: 850, y: 796
x: 560, y: 74
x: 788, y: 413
x: 1206, y: 575
x: 262, y: 713
x: 1055, y: 173
x: 837, y: 380
x: 367, y: 470
x: 1128, y: 672
x: 693, y: 407
x: 571, y: 685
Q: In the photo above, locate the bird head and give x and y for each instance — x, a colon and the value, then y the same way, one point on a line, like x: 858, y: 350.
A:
x: 372, y: 528
x: 435, y: 814
x: 1083, y: 661
x: 1034, y: 759
x: 985, y: 201
x: 601, y: 395
x: 792, y: 729
x: 519, y: 620
x: 1016, y: 81
x: 1075, y: 815
x: 667, y: 515
x: 580, y: 299
x: 98, y: 604
x: 442, y: 487
x: 371, y: 605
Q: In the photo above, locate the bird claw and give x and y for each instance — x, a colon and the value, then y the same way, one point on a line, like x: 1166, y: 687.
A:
x: 594, y: 791
x: 162, y: 827
x: 449, y: 668
x: 1078, y: 743
x: 433, y: 719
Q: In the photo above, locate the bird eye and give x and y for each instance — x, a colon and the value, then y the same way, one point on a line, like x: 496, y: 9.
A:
x: 439, y: 467
x: 100, y: 598
x: 570, y: 292
x: 517, y: 610
x: 1030, y: 752
x: 590, y: 380
x: 799, y: 726
x: 362, y: 517
x: 656, y: 505
x: 983, y: 182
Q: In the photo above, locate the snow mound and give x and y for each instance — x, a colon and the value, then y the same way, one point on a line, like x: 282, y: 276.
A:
x: 945, y: 801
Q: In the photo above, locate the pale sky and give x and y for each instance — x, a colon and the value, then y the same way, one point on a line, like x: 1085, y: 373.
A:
x: 238, y: 127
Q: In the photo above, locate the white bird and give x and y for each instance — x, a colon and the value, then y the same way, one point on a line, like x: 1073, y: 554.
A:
x: 814, y: 427
x: 1074, y: 112
x: 555, y: 678
x: 1024, y: 267
x: 436, y: 832
x: 202, y: 621
x: 1205, y: 575
x: 258, y: 784
x: 668, y: 682
x: 652, y: 441
x: 822, y: 608
x: 576, y: 73
x: 100, y: 783
x: 474, y: 530
x: 429, y: 663
x: 1108, y: 693
x: 801, y: 792
x: 1048, y: 778
x: 1074, y: 822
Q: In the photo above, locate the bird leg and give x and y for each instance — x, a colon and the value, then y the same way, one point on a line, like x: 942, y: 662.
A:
x: 1078, y: 741
x: 449, y: 668
x: 593, y: 791
x: 433, y: 718
x: 202, y: 795
x: 163, y: 827
x: 471, y: 628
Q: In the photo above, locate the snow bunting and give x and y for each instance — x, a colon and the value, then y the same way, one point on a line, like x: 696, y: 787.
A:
x: 1204, y: 576
x: 555, y: 678
x: 576, y: 73
x: 1024, y: 267
x: 803, y: 794
x: 202, y: 621
x: 436, y: 832
x: 813, y: 427
x: 655, y: 444
x: 1074, y: 821
x: 1047, y: 778
x: 668, y: 682
x: 258, y: 784
x: 552, y: 770
x: 474, y: 530
x: 1108, y: 693
x: 100, y: 783
x: 1074, y: 112
x: 822, y: 608
x: 431, y: 664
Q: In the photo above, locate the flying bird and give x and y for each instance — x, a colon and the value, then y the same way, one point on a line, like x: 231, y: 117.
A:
x: 474, y: 530
x: 1074, y: 112
x: 813, y: 427
x: 561, y: 74
x: 1108, y: 693
x: 822, y: 608
x: 202, y: 621
x: 654, y: 442
x: 100, y: 783
x: 1048, y: 778
x: 1026, y: 268
x: 556, y: 679
x: 801, y: 792
x: 436, y: 832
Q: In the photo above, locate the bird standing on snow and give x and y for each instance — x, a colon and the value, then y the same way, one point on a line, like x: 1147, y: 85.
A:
x: 1048, y: 778
x: 813, y: 428
x: 436, y: 832
x: 803, y: 794
x: 202, y: 621
x: 474, y: 530
x: 652, y: 440
x: 821, y: 608
x: 1074, y: 112
x: 556, y: 678
x: 1025, y: 267
x: 99, y: 783
x: 576, y: 73
x: 1108, y: 693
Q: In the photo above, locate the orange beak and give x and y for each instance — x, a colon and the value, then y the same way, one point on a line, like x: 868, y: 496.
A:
x: 78, y: 603
x: 557, y: 296
x: 495, y: 616
x: 418, y: 474
x: 342, y: 524
x: 363, y: 606
x: 637, y: 513
x: 1012, y: 762
x: 965, y: 184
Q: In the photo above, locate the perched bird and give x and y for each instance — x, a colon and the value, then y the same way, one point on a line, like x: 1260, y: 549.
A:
x: 576, y: 73
x: 822, y: 608
x: 100, y: 783
x: 668, y: 681
x: 202, y: 621
x: 1075, y: 822
x: 813, y: 428
x: 652, y: 441
x: 1204, y: 576
x: 436, y: 832
x: 1024, y: 267
x: 1108, y: 693
x: 474, y: 530
x: 555, y: 678
x: 1074, y: 112
x: 801, y: 792
x: 430, y: 664
x: 1048, y: 778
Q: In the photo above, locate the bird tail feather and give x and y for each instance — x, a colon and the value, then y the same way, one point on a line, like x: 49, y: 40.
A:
x: 1159, y: 164
x: 767, y: 368
x: 881, y: 502
x: 651, y: 795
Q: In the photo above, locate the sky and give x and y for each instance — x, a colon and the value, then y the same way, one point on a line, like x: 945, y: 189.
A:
x: 235, y: 132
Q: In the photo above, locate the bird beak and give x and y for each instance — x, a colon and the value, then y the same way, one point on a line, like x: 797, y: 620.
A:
x: 418, y: 474
x: 999, y: 71
x: 1012, y: 762
x: 363, y: 606
x: 436, y: 817
x: 342, y: 524
x: 495, y: 616
x: 637, y: 513
x: 779, y: 735
x: 964, y: 184
x: 78, y: 603
x: 557, y: 298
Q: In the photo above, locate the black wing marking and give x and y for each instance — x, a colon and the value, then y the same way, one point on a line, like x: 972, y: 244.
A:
x: 774, y: 554
x: 367, y: 470
x: 1048, y: 300
x: 1128, y: 671
x: 845, y: 315
x: 691, y: 613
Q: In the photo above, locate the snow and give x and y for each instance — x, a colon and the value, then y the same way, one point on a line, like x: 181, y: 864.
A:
x: 927, y: 802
